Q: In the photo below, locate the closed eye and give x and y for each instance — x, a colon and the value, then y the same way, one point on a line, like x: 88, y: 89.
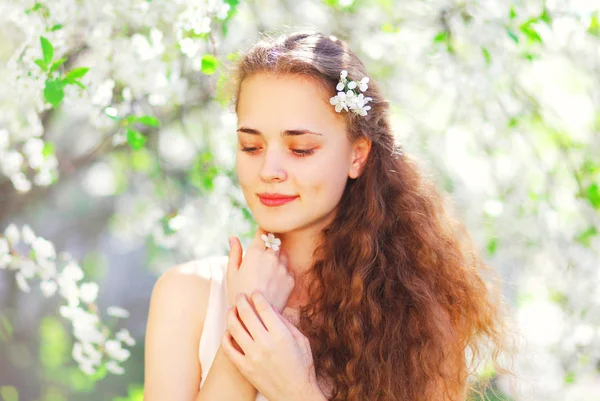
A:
x: 299, y: 152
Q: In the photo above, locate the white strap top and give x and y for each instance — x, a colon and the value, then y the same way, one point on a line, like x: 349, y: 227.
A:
x: 215, y: 323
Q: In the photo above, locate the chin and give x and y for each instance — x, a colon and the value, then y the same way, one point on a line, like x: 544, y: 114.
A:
x: 276, y: 224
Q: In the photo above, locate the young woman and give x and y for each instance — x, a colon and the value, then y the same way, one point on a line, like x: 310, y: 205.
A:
x: 379, y: 289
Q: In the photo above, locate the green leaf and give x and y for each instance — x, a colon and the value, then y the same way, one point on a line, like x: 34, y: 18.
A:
x: 54, y: 343
x: 77, y: 73
x: 56, y: 65
x: 546, y: 17
x: 585, y: 236
x: 136, y: 139
x: 512, y: 13
x: 592, y: 193
x: 53, y: 91
x: 148, y: 120
x: 47, y: 49
x: 209, y: 64
x: 441, y: 37
x: 594, y: 28
x: 570, y: 378
x: 48, y: 149
x: 486, y: 55
x: 56, y: 27
x: 529, y: 31
x: 41, y: 63
x: 512, y: 35
x: 9, y: 393
x: 492, y: 246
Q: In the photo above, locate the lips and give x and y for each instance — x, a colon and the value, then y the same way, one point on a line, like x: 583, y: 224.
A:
x: 275, y: 199
x: 268, y: 195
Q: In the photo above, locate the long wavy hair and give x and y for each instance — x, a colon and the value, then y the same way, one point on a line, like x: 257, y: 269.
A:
x: 398, y: 307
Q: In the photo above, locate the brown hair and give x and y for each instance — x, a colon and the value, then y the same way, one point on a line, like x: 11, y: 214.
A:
x: 396, y: 293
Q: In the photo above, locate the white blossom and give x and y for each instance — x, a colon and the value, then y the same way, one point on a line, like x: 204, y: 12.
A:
x: 114, y: 368
x: 12, y: 163
x: 20, y: 182
x: 124, y: 336
x: 22, y: 282
x: 115, y: 351
x: 88, y: 292
x: 116, y: 311
x: 5, y: 258
x: 271, y: 241
x: 48, y: 288
x: 72, y: 272
x: 27, y: 234
x: 12, y: 234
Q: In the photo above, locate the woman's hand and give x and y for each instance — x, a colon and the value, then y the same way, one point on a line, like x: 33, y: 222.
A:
x: 262, y: 269
x: 276, y: 357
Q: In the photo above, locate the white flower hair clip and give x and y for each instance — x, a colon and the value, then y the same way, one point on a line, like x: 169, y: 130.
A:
x: 347, y: 97
x: 271, y: 241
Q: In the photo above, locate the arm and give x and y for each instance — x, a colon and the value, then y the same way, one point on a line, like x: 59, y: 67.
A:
x: 176, y: 318
x: 225, y: 382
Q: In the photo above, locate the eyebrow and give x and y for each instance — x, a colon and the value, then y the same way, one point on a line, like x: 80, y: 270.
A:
x: 287, y: 132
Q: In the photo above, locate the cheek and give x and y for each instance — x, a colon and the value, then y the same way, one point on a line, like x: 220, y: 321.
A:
x: 327, y: 179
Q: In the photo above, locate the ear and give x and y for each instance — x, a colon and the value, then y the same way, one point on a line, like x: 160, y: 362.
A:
x: 360, y: 151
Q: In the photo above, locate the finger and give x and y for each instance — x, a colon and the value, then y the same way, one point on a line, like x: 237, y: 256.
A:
x: 251, y: 319
x: 257, y: 242
x: 238, y: 332
x: 266, y: 312
x: 237, y: 250
x: 230, y: 351
x: 298, y: 335
x: 234, y: 257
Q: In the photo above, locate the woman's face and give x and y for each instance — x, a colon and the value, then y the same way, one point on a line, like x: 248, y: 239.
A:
x: 273, y: 157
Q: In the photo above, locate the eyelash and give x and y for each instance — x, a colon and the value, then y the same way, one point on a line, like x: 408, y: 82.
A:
x: 299, y: 152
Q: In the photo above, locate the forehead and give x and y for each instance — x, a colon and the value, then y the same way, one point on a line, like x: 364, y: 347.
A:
x: 276, y: 102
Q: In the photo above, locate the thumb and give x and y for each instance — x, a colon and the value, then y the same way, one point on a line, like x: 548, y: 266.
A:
x: 235, y: 255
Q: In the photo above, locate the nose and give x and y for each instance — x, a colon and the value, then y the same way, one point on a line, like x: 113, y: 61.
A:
x: 272, y: 168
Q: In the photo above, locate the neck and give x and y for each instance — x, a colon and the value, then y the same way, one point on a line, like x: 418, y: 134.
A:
x: 298, y: 246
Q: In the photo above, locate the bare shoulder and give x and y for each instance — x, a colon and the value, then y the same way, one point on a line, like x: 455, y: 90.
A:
x: 176, y: 315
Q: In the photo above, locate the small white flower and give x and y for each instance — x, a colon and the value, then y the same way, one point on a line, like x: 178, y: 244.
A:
x: 363, y: 84
x: 93, y: 355
x: 124, y: 336
x: 114, y: 350
x: 271, y: 241
x: 12, y: 162
x: 117, y: 312
x: 68, y: 290
x: 22, y: 282
x: 27, y: 234
x: 12, y: 234
x: 339, y: 101
x: 349, y: 100
x: 28, y: 269
x: 72, y: 271
x: 3, y: 139
x: 5, y: 257
x: 114, y: 368
x: 43, y: 178
x: 88, y: 292
x: 20, y: 182
x: 87, y: 368
x: 48, y: 288
x: 33, y: 145
x: 43, y: 249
